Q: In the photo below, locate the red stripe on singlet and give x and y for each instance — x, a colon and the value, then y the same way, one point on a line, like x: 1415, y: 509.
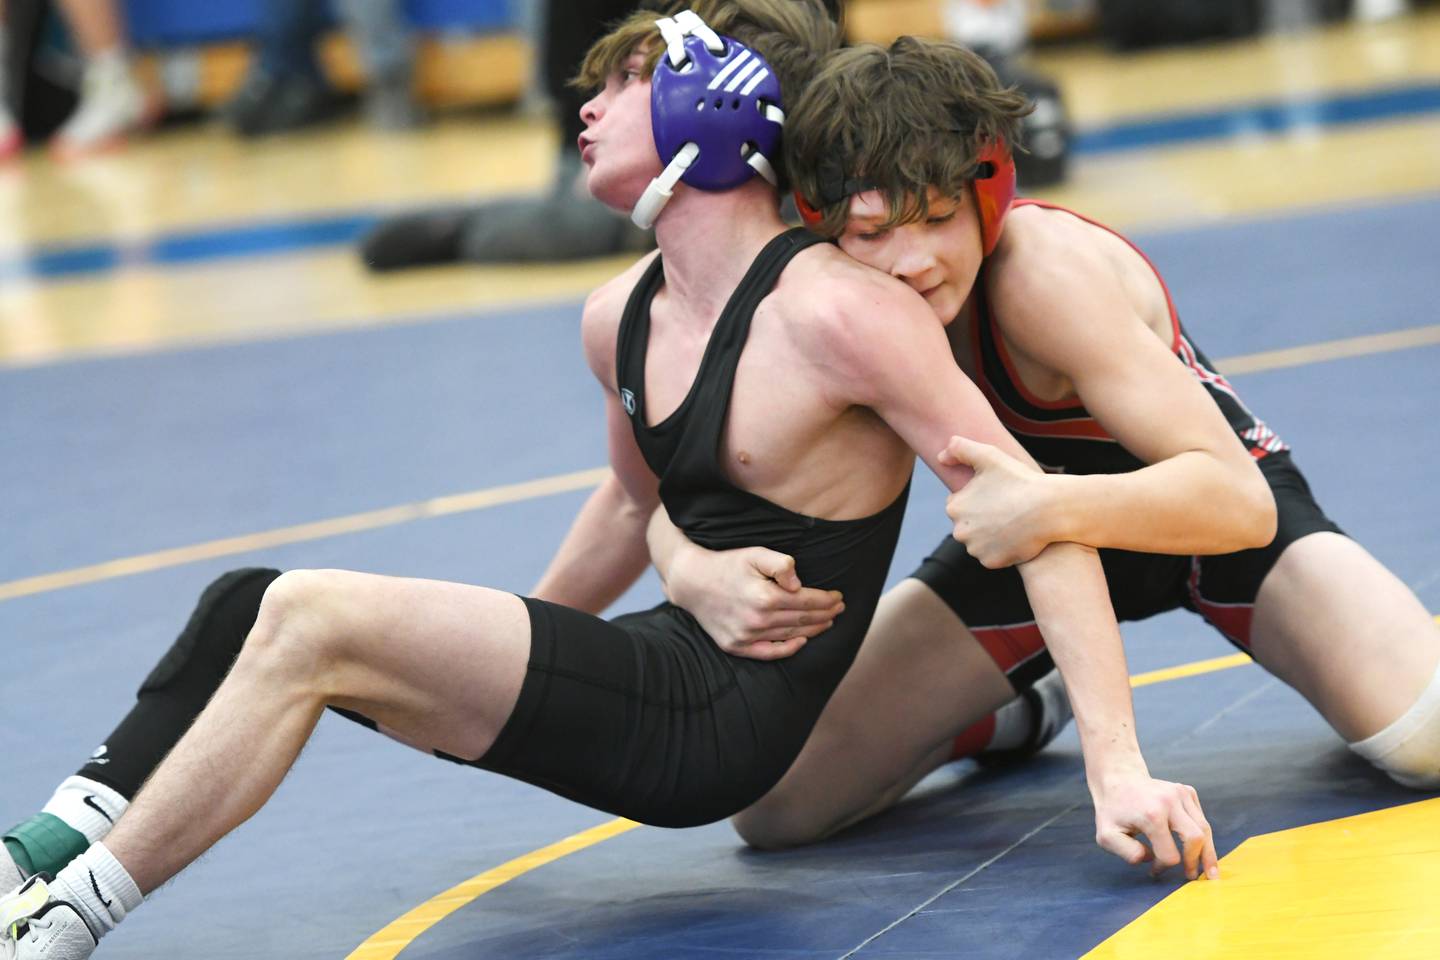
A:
x: 1082, y: 427
x: 1231, y: 619
x: 1087, y: 428
x: 1010, y: 645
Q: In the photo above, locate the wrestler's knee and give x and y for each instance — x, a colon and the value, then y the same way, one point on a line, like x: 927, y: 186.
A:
x: 1416, y: 771
x: 1417, y: 767
x: 773, y: 824
x: 1409, y: 749
x: 298, y: 628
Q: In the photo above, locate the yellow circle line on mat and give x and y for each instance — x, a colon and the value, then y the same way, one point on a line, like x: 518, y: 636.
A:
x: 388, y: 942
x: 580, y: 480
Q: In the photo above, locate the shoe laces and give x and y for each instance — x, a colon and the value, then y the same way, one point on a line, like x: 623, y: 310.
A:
x: 21, y: 908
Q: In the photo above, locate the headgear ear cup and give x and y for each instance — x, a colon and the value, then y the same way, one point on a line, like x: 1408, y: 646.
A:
x: 715, y: 111
x: 994, y: 189
x: 808, y: 214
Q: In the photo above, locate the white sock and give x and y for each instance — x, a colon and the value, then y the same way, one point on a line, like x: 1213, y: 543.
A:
x: 1012, y: 725
x: 99, y: 888
x: 111, y: 66
x: 87, y: 806
x: 1409, y: 749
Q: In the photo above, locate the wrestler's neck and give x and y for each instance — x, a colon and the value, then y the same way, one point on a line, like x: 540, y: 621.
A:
x: 709, y: 240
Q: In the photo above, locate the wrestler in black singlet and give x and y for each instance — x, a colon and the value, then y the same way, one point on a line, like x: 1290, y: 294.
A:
x: 645, y: 716
x: 1064, y: 437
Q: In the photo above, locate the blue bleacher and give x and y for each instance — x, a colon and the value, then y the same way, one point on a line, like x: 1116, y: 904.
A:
x: 164, y: 23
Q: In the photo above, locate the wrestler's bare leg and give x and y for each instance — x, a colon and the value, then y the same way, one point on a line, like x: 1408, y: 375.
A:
x: 919, y: 679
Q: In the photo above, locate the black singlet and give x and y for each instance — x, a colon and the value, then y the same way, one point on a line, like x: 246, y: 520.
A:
x: 644, y: 716
x: 684, y: 448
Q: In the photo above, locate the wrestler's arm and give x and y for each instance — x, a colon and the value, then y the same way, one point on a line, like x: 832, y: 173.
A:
x: 749, y: 600
x: 1063, y: 305
x: 605, y: 551
x: 885, y: 351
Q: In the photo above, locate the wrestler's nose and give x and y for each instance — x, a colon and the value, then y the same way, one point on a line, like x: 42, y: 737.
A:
x: 914, y: 259
x: 590, y: 110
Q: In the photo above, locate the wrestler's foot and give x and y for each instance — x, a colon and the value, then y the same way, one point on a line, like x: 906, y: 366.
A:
x: 37, y: 926
x: 1048, y: 706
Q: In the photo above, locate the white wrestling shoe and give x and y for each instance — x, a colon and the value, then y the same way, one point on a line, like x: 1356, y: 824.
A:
x: 11, y: 876
x: 1049, y: 709
x: 36, y: 926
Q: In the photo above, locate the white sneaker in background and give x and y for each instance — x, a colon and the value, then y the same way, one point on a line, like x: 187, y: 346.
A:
x: 112, y: 105
x: 1371, y: 11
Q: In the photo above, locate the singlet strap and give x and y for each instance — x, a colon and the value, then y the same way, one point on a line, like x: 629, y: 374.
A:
x: 634, y: 337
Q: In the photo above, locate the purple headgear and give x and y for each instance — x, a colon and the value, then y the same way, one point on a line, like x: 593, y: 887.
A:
x: 715, y: 110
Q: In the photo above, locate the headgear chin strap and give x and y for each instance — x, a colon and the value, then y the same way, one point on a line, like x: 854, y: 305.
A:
x: 993, y: 188
x: 715, y: 111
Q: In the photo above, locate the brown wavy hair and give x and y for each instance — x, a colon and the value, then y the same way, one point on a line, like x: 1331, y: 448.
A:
x: 794, y: 36
x: 899, y: 119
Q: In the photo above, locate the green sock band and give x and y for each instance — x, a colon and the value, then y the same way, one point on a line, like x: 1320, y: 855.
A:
x: 18, y: 854
x: 45, y: 844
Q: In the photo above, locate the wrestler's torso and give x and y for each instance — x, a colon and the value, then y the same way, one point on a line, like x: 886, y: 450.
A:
x: 787, y: 437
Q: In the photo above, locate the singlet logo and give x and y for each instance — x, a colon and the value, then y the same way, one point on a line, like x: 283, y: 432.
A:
x: 628, y: 399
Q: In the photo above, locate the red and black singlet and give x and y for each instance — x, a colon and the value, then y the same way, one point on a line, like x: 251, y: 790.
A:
x: 1063, y: 436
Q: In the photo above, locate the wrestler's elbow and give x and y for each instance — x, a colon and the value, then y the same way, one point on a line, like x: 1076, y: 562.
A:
x: 1259, y: 519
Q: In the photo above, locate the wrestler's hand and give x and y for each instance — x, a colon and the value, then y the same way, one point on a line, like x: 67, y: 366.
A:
x: 750, y: 600
x: 999, y: 514
x: 1134, y: 806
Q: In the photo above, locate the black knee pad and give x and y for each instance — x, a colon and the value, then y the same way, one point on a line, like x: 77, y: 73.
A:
x: 182, y: 683
x: 206, y: 649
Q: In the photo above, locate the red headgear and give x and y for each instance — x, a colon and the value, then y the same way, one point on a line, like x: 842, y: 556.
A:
x: 993, y: 188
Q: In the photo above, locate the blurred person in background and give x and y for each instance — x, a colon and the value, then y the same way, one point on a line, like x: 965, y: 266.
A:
x: 112, y: 103
x: 285, y: 88
x: 999, y: 30
x: 564, y: 222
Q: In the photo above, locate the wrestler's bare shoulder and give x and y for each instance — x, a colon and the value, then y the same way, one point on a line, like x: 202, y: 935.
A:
x: 833, y: 302
x: 1051, y: 264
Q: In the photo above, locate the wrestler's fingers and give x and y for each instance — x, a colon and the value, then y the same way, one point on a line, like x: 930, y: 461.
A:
x: 806, y: 600
x: 1124, y: 846
x: 962, y: 451
x: 1209, y: 859
x: 776, y: 566
x: 1193, y: 840
x: 1162, y: 843
x: 781, y: 634
x: 771, y: 650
